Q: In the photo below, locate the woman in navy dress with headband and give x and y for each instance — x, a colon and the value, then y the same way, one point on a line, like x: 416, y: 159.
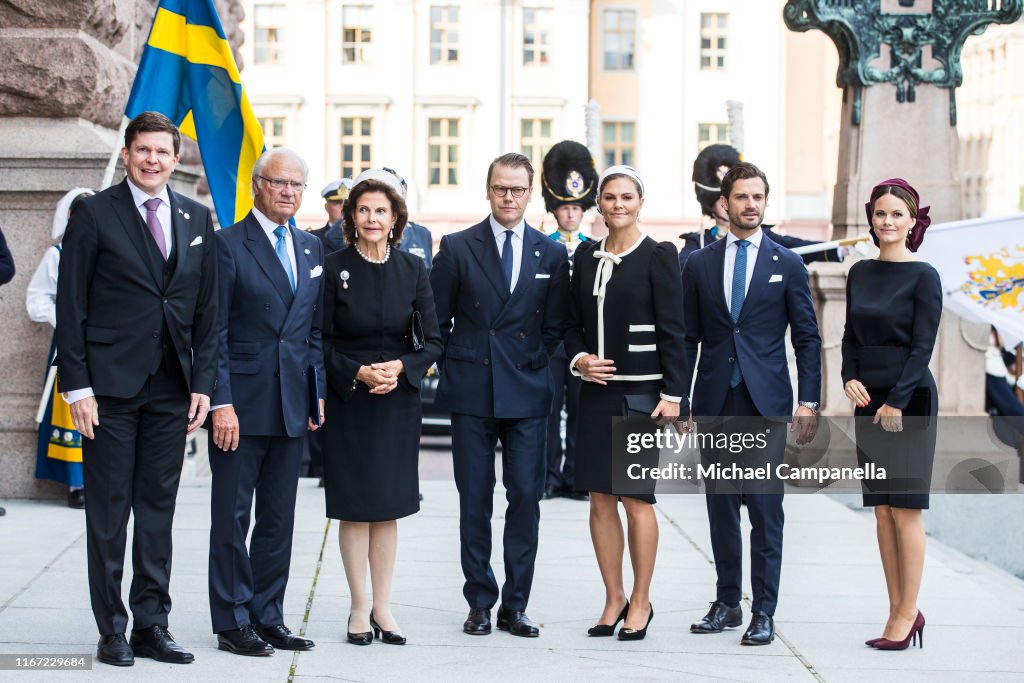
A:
x: 893, y: 304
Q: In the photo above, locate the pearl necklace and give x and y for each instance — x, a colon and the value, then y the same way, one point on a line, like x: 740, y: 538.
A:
x: 387, y: 255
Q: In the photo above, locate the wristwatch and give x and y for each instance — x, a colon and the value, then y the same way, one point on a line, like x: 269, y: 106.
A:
x: 810, y: 405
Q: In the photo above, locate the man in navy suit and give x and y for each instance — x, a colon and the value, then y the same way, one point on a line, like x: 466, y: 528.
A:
x: 270, y: 365
x: 741, y: 293
x: 501, y: 292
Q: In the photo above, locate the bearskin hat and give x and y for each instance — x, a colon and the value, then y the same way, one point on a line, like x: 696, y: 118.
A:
x: 707, y: 182
x: 568, y: 176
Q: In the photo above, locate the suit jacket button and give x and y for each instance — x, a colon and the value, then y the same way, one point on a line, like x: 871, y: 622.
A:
x: 732, y: 360
x: 519, y: 366
x: 737, y: 330
x: 487, y: 361
x: 156, y: 335
x: 282, y: 340
x: 522, y: 335
x: 476, y: 304
x: 277, y: 373
x: 493, y: 333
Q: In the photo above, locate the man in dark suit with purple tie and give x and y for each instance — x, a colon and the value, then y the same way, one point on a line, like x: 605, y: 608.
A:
x: 136, y: 329
x: 270, y: 375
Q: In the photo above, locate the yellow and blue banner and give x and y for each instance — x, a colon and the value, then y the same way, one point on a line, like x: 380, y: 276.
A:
x: 188, y: 74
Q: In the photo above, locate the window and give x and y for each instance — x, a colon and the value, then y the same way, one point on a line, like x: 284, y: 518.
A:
x: 443, y: 164
x: 619, y: 145
x: 268, y: 21
x: 535, y: 36
x: 713, y: 32
x: 273, y: 131
x: 712, y: 134
x: 444, y: 34
x: 356, y: 145
x: 535, y: 139
x: 355, y: 34
x: 619, y: 39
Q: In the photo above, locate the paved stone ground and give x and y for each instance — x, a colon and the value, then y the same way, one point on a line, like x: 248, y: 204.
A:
x: 832, y: 600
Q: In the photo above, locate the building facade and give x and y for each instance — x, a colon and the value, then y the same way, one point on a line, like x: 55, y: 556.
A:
x: 438, y: 88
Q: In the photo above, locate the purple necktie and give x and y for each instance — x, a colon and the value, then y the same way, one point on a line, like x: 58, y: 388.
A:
x: 153, y: 223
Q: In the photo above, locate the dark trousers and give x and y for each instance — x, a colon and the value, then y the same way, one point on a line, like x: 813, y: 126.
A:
x: 763, y: 509
x: 247, y: 585
x: 133, y: 466
x: 567, y: 393
x: 522, y: 461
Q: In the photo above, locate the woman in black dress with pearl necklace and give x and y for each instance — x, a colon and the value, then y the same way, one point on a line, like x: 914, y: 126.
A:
x: 624, y: 337
x: 893, y: 305
x: 373, y: 406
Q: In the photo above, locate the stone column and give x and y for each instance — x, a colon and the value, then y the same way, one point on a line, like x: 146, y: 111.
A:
x: 68, y: 69
x: 899, y: 69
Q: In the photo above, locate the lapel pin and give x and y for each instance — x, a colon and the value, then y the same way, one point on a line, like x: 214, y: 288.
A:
x: 344, y: 279
x: 775, y: 257
x: 187, y: 216
x: 306, y: 252
x: 536, y: 253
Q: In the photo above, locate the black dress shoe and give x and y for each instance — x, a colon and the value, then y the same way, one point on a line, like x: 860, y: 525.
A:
x: 156, y: 642
x: 761, y: 630
x: 76, y: 499
x: 551, y: 492
x: 636, y: 634
x: 601, y: 630
x: 478, y: 623
x: 115, y: 650
x: 282, y: 638
x: 362, y: 638
x: 719, y: 617
x: 389, y: 637
x: 517, y: 623
x: 244, y: 641
x: 575, y: 495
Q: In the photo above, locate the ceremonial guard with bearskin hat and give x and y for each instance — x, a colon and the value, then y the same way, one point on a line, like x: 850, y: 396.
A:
x: 708, y: 169
x: 569, y: 187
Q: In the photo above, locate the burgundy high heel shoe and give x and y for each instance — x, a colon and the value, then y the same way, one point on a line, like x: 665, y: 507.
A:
x: 916, y: 636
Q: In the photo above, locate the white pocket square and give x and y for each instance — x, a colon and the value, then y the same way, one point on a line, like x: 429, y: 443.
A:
x: 316, y: 272
x: 775, y: 278
x: 542, y: 276
x: 197, y: 240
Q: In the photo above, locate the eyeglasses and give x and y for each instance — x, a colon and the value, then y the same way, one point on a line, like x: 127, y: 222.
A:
x: 501, y: 190
x: 279, y: 184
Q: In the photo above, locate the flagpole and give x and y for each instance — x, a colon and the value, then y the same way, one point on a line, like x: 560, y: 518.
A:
x: 108, y: 173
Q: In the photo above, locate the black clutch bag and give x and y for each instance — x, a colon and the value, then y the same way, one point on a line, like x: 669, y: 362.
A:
x: 416, y: 331
x: 639, y: 405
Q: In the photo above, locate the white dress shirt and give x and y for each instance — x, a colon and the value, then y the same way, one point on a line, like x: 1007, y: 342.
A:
x: 517, y: 245
x: 41, y: 295
x: 163, y: 212
x: 730, y: 262
x: 269, y: 227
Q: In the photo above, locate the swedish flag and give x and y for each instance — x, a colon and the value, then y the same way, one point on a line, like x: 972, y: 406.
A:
x: 188, y: 73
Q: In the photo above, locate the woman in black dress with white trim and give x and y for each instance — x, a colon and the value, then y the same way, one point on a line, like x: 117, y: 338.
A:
x: 624, y: 337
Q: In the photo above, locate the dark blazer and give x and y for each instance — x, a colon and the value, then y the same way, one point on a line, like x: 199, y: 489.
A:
x: 691, y: 243
x: 6, y: 261
x: 364, y: 325
x: 757, y: 339
x: 269, y: 337
x: 417, y: 240
x: 642, y: 331
x: 113, y: 297
x: 497, y: 344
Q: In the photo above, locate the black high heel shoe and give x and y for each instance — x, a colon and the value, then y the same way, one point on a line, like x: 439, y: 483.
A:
x: 364, y: 638
x: 634, y: 634
x: 605, y: 629
x: 389, y: 637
